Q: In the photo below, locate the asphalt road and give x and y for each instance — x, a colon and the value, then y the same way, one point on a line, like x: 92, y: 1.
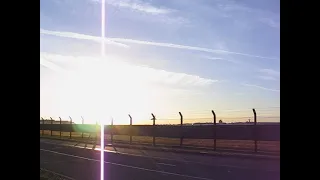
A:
x: 75, y: 161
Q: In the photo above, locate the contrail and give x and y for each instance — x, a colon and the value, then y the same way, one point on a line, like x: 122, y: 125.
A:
x: 170, y: 45
x: 260, y: 87
x: 117, y: 41
x: 80, y: 36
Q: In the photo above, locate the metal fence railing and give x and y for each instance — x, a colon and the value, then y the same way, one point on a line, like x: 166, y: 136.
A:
x: 217, y: 132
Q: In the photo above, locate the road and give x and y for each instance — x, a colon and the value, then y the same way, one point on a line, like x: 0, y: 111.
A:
x: 75, y: 161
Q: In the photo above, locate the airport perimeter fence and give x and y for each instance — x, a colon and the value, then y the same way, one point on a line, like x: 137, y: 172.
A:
x: 216, y: 131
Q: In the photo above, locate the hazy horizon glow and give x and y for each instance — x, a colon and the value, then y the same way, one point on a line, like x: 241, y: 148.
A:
x: 161, y: 57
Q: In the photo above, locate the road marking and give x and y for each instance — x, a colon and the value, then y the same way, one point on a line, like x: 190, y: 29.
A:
x: 127, y: 166
x: 80, y: 147
x: 166, y: 164
x: 153, y: 161
x: 224, y: 148
x: 177, y: 160
x: 54, y: 162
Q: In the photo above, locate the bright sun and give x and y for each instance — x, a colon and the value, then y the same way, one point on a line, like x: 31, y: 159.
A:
x: 104, y: 90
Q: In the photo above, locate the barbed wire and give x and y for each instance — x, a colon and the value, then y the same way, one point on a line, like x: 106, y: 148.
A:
x: 201, y: 116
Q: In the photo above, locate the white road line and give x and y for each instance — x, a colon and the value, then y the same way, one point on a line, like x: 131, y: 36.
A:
x: 166, y: 164
x: 153, y: 161
x: 57, y: 162
x: 123, y: 165
x: 182, y: 160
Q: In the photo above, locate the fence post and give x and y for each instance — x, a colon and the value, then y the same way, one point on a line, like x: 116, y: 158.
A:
x: 42, y: 132
x: 214, y: 130
x: 82, y: 123
x: 154, y: 128
x: 181, y: 125
x: 255, y: 131
x: 71, y: 128
x: 60, y: 126
x: 111, y: 131
x: 130, y: 128
x: 51, y: 126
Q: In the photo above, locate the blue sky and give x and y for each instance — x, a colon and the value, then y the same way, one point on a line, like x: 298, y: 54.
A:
x: 162, y: 56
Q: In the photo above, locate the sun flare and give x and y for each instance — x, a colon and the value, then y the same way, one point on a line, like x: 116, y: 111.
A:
x: 101, y: 90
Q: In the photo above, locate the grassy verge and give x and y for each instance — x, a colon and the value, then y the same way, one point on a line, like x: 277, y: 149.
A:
x: 46, y: 175
x: 267, y: 146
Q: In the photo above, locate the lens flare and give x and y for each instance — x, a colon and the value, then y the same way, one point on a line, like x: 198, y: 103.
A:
x: 103, y: 24
x: 103, y: 14
x: 101, y: 151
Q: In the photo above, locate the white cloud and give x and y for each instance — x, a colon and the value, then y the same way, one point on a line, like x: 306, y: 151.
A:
x: 242, y: 13
x: 270, y: 22
x: 123, y: 71
x: 268, y: 78
x: 147, y: 11
x: 269, y: 74
x: 80, y: 36
x: 94, y: 88
x: 269, y: 18
x: 44, y: 62
x: 137, y: 5
x: 140, y: 6
x: 261, y: 87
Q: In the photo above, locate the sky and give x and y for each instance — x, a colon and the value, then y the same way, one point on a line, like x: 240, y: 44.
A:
x: 161, y: 57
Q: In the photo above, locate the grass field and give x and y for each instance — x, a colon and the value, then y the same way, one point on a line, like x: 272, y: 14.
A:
x: 46, y: 175
x: 243, y: 145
